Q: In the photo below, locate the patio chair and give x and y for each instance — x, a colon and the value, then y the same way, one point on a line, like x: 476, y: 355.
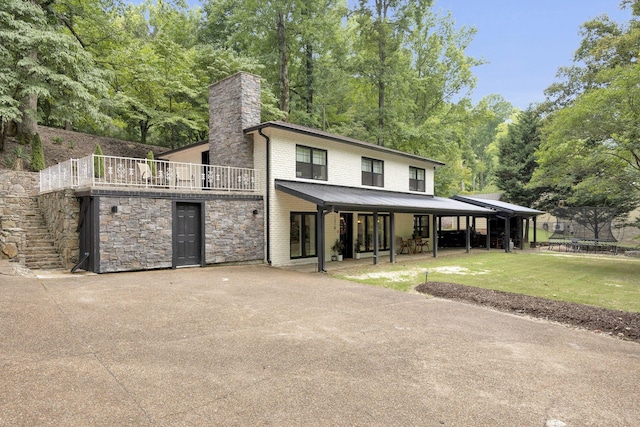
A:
x: 402, y: 245
x: 421, y: 245
x: 146, y: 175
x: 184, y: 178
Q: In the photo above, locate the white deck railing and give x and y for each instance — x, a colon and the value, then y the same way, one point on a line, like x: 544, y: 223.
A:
x: 99, y: 171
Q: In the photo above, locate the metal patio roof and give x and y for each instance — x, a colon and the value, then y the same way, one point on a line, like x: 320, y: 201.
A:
x: 499, y: 207
x: 365, y: 199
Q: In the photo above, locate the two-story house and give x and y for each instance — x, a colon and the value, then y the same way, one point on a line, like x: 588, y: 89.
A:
x: 258, y: 192
x: 322, y: 191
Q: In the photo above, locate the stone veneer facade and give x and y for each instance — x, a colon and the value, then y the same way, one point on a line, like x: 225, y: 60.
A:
x: 234, y: 105
x: 139, y: 236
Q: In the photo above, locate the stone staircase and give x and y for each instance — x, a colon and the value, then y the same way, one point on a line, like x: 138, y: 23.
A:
x: 40, y: 251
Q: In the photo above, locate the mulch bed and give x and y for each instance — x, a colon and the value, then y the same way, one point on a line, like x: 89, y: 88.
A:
x: 622, y: 324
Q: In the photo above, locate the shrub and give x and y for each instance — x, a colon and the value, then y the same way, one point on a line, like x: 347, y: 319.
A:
x: 151, y: 163
x: 37, y: 154
x: 57, y: 140
x: 98, y: 162
x: 19, y: 158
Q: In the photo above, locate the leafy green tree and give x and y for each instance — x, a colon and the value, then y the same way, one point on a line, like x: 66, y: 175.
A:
x: 37, y: 154
x: 490, y: 113
x: 516, y: 158
x: 294, y: 41
x: 591, y: 153
x: 39, y: 61
x: 379, y: 34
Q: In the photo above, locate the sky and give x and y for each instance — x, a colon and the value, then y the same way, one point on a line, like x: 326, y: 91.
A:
x: 524, y: 41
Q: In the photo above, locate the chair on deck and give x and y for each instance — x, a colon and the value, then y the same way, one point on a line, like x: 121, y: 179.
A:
x: 183, y: 176
x: 146, y: 175
x: 402, y: 245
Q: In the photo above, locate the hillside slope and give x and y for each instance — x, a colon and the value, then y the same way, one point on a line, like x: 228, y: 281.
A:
x: 60, y: 145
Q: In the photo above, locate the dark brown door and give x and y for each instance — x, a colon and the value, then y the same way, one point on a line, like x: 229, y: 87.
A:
x: 188, y: 236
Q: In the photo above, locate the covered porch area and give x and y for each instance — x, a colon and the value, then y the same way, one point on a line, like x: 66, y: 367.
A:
x: 376, y: 203
x: 509, y: 223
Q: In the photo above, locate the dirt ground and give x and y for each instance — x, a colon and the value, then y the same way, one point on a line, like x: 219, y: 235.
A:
x: 617, y: 323
x: 60, y: 145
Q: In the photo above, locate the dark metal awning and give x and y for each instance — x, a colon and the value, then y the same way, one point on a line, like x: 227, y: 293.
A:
x: 365, y: 199
x: 499, y: 207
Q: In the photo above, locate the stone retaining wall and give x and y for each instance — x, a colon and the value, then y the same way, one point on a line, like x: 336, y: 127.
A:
x: 17, y: 192
x: 61, y: 210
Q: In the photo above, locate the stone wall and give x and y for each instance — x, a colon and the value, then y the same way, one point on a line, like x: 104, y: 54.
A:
x: 17, y: 192
x: 61, y: 210
x: 139, y: 236
x: 136, y: 237
x: 233, y: 233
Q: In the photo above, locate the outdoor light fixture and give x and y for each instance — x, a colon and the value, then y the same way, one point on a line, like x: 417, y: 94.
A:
x: 426, y: 276
x: 255, y: 211
x: 114, y: 209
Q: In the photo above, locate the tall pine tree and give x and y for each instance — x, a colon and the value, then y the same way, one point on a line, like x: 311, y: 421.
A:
x: 516, y: 158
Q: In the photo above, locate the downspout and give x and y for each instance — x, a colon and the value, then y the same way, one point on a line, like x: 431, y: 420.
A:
x: 267, y: 193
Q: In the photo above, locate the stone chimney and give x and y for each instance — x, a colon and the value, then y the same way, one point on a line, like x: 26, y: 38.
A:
x: 234, y: 105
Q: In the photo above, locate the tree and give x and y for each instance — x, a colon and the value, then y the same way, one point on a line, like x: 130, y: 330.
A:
x: 516, y: 158
x: 38, y: 61
x: 490, y: 113
x: 379, y: 30
x: 37, y: 154
x: 591, y: 153
x: 292, y: 39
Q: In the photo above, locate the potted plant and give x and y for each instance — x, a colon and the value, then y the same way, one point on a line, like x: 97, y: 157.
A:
x: 356, y: 249
x: 338, y: 248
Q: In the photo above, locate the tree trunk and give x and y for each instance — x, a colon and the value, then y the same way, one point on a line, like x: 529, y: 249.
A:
x: 309, y: 64
x: 3, y: 132
x: 144, y: 130
x: 29, y: 109
x: 284, y: 64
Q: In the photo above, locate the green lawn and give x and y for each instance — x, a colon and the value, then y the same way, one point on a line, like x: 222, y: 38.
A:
x: 605, y: 281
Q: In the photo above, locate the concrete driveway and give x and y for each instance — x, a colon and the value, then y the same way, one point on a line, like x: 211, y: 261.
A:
x: 263, y: 346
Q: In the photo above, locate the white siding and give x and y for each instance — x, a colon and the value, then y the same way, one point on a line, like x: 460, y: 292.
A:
x: 344, y: 169
x: 344, y: 162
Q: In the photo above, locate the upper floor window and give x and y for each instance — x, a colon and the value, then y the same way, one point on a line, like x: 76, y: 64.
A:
x: 416, y: 179
x: 372, y: 172
x: 311, y: 163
